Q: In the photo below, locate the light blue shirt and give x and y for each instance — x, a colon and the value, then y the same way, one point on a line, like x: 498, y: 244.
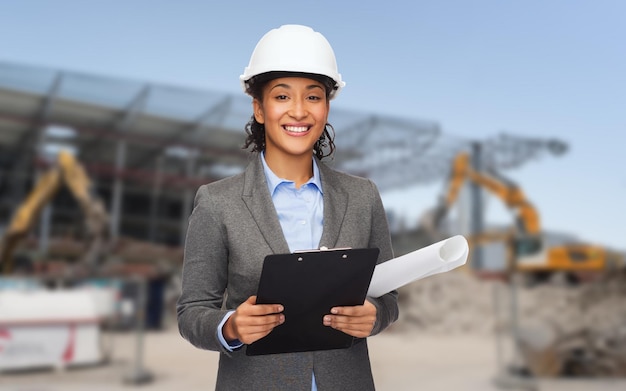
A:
x: 300, y: 211
x: 301, y: 216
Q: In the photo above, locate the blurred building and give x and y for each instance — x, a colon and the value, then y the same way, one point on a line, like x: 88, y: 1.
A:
x: 147, y: 147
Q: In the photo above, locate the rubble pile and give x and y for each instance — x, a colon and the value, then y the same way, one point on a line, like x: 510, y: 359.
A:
x: 563, y: 329
x: 582, y: 327
x: 453, y: 302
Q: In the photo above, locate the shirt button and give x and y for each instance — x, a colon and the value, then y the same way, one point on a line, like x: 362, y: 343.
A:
x: 303, y: 222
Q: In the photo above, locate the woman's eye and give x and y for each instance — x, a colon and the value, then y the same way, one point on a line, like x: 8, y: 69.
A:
x: 281, y: 97
x: 314, y: 97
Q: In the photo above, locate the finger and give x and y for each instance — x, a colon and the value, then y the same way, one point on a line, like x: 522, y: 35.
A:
x: 349, y: 321
x: 258, y: 328
x: 249, y: 329
x: 249, y: 307
x: 259, y: 321
x: 271, y: 308
x: 356, y: 310
x: 359, y: 328
x: 349, y: 310
x: 264, y: 309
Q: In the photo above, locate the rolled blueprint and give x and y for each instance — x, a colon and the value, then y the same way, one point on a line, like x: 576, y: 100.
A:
x: 437, y: 258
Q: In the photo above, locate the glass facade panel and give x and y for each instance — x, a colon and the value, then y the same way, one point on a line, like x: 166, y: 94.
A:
x: 26, y: 78
x: 109, y: 92
x: 187, y: 105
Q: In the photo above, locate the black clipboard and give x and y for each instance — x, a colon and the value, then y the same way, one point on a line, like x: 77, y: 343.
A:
x: 308, y: 284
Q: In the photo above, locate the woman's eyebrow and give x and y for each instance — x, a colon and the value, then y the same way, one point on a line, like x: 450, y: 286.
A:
x: 284, y: 85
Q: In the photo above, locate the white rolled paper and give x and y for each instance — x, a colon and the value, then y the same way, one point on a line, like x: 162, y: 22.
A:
x: 437, y: 258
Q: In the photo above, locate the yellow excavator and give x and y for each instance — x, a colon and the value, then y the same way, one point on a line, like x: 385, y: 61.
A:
x: 70, y: 172
x: 527, y: 252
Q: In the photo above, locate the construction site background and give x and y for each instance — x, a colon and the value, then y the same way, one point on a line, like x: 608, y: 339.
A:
x: 475, y: 328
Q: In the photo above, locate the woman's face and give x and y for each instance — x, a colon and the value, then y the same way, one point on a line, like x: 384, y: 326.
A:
x: 294, y: 111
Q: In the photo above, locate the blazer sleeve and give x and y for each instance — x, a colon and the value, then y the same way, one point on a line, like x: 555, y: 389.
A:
x: 386, y: 305
x: 204, y: 275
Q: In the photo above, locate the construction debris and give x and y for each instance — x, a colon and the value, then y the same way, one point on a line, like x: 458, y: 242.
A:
x: 563, y: 329
x: 447, y: 303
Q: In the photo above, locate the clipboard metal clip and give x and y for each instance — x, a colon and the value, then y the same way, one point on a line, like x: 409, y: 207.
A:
x: 323, y: 248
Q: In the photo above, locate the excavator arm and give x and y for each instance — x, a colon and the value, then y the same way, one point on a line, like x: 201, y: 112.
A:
x: 431, y: 220
x: 69, y: 172
x: 47, y: 185
x: 513, y: 197
x: 527, y: 236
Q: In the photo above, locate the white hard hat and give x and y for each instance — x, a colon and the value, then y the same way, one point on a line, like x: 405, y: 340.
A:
x: 293, y: 48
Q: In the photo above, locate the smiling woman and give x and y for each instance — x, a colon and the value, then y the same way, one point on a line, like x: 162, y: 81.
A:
x: 286, y: 200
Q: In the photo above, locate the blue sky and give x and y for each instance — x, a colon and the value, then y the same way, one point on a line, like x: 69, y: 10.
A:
x: 552, y: 68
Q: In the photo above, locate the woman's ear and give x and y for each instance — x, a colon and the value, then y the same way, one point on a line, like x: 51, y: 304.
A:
x: 258, y: 111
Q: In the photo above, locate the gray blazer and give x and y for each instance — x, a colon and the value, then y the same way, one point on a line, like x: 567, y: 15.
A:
x: 232, y: 228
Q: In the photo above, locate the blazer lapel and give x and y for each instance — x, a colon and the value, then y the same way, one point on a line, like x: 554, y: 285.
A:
x: 257, y: 198
x: 335, y: 206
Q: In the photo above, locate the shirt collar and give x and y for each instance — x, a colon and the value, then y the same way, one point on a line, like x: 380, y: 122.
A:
x: 273, y: 181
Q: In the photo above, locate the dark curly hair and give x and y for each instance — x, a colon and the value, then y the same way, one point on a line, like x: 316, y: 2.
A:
x: 255, y: 131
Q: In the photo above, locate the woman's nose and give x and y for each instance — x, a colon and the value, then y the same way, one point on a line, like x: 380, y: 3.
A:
x: 297, y: 109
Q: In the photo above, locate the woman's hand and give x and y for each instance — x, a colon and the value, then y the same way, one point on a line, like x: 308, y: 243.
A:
x: 357, y: 321
x: 252, y: 321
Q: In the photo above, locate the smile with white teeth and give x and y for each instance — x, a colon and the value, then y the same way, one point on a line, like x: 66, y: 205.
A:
x: 296, y: 129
